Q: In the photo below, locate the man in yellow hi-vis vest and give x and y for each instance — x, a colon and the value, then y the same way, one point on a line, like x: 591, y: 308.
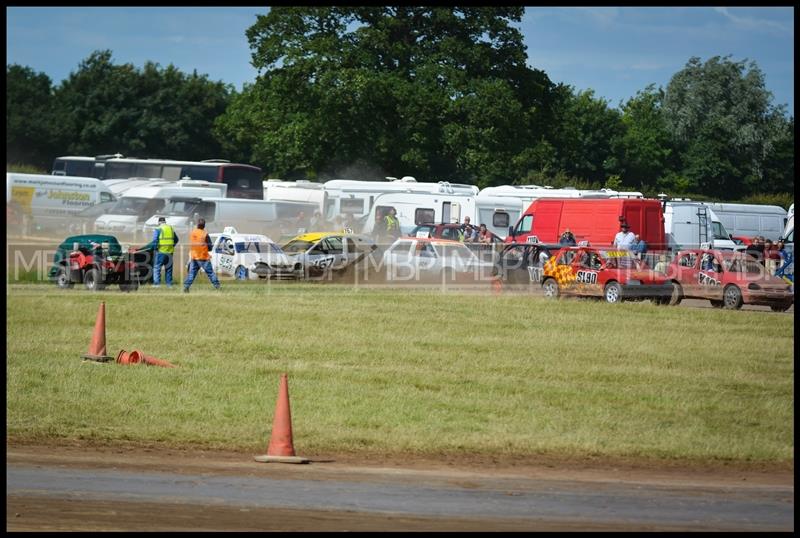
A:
x: 164, y: 241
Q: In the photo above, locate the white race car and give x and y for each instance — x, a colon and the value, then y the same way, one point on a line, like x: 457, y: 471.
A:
x: 250, y: 256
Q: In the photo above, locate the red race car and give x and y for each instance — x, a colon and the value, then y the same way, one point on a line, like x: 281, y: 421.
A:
x: 727, y: 279
x: 611, y: 274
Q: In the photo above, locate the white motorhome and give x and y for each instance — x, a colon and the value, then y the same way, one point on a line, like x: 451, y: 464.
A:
x: 50, y: 201
x: 137, y: 204
x: 501, y: 206
x: 750, y: 220
x: 414, y: 208
x: 296, y: 191
x: 269, y: 217
x: 689, y: 224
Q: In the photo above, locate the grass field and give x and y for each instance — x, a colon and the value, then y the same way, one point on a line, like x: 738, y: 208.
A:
x: 427, y: 372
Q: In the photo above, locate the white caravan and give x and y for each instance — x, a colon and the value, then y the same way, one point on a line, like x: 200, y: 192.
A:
x: 689, y: 224
x: 137, y: 204
x: 750, y: 220
x: 354, y: 198
x: 268, y: 217
x: 415, y: 208
x: 500, y: 207
x: 50, y: 201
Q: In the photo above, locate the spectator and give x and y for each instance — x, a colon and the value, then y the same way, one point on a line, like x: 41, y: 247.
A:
x: 470, y: 233
x: 624, y: 238
x: 392, y: 225
x: 567, y: 239
x: 379, y: 228
x: 639, y: 246
x: 163, y: 243
x: 316, y: 222
x: 199, y: 247
x: 787, y: 263
x: 484, y: 235
x: 771, y: 257
x: 661, y: 265
x: 756, y: 249
x: 300, y: 222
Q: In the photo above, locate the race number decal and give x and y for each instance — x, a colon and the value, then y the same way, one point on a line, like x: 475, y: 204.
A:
x: 535, y: 273
x: 706, y: 280
x: 586, y: 277
x: 322, y: 263
x: 226, y: 262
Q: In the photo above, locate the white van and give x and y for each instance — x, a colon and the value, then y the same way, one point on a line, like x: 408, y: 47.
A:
x: 137, y: 204
x: 268, y: 217
x: 689, y: 224
x: 750, y: 220
x: 415, y: 208
x: 49, y: 201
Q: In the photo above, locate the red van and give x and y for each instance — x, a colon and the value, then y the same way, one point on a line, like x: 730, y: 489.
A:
x: 594, y: 220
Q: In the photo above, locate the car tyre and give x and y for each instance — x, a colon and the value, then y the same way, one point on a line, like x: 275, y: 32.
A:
x: 62, y: 278
x: 717, y: 304
x: 550, y: 288
x: 613, y: 292
x: 241, y: 273
x: 93, y: 281
x: 677, y: 294
x: 732, y: 297
x: 781, y: 307
x: 129, y: 286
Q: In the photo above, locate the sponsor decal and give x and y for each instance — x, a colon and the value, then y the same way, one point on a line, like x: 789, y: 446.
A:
x: 707, y: 280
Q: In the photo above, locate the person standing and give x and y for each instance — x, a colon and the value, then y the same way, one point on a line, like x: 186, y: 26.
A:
x: 164, y: 241
x: 199, y: 257
x: 567, y: 238
x: 624, y: 238
x: 392, y: 225
x: 639, y: 246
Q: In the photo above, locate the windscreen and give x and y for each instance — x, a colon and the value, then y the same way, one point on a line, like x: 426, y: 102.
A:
x: 295, y: 246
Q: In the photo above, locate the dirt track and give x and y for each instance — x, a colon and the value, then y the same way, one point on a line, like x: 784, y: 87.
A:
x: 79, y: 487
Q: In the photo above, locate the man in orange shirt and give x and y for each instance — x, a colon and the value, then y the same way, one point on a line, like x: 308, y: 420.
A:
x: 199, y: 248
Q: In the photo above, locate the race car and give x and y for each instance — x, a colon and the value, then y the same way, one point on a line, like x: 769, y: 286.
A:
x: 615, y: 275
x: 727, y: 279
x: 250, y: 256
x: 413, y: 259
x: 323, y: 254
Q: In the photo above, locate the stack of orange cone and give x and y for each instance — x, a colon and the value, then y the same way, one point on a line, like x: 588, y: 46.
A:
x: 97, y: 348
x: 497, y: 285
x: 281, y: 447
x: 138, y: 356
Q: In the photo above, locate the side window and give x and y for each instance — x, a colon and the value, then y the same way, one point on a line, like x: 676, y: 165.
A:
x: 424, y: 216
x: 401, y: 248
x: 106, y: 197
x: 334, y: 245
x: 450, y: 233
x: 351, y: 246
x: 500, y: 219
x: 566, y: 258
x: 525, y: 224
x: 687, y: 260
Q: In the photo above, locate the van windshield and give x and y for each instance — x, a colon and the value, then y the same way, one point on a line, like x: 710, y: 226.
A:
x: 182, y: 207
x: 128, y: 205
x: 719, y: 230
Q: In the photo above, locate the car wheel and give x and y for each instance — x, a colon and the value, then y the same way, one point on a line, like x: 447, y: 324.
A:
x: 781, y: 307
x: 732, y: 297
x: 550, y: 288
x: 240, y: 273
x: 717, y: 304
x: 613, y: 292
x: 62, y: 278
x: 93, y: 280
x: 677, y: 294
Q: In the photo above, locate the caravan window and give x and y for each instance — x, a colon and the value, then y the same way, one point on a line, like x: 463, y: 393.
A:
x: 424, y: 216
x: 352, y: 205
x: 500, y: 219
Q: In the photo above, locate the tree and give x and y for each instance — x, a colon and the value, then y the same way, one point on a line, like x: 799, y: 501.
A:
x: 645, y: 145
x: 31, y: 132
x: 153, y: 112
x: 437, y: 92
x: 721, y: 120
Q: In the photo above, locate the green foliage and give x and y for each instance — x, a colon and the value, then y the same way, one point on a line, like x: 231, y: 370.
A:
x: 153, y: 112
x: 724, y: 128
x: 26, y: 168
x: 31, y: 132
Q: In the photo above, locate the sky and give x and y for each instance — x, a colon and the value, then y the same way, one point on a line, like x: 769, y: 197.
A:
x: 615, y: 51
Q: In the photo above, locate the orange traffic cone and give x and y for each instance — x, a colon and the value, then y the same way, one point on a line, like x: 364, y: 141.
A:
x: 281, y: 448
x: 123, y: 357
x: 97, y: 349
x: 137, y: 356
